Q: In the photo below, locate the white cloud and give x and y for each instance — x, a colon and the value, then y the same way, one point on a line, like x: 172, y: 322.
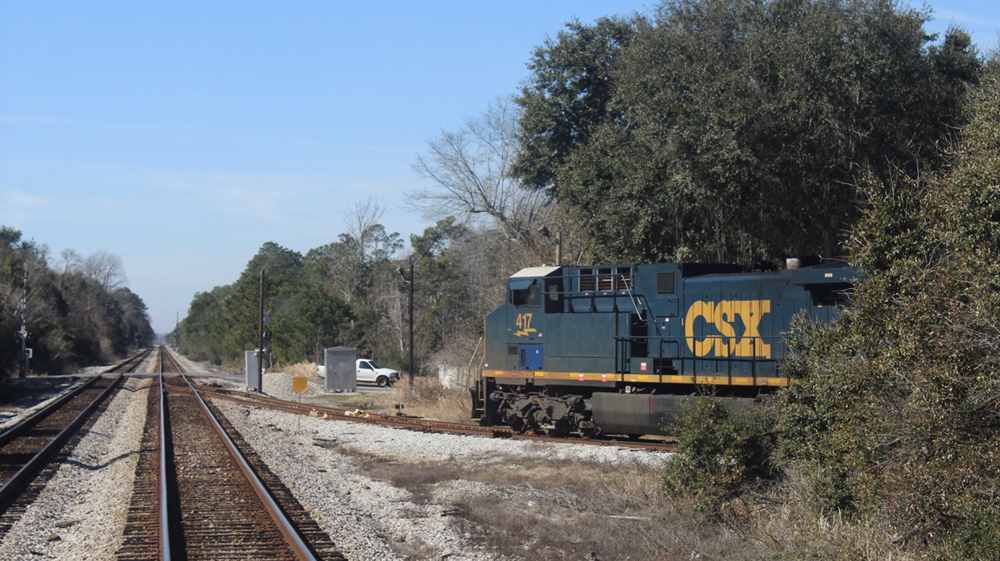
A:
x: 19, y: 199
x: 966, y: 18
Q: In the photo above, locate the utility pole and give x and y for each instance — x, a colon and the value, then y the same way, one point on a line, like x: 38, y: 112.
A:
x: 23, y: 333
x: 411, y: 322
x: 260, y: 336
x: 544, y: 231
x: 410, y: 281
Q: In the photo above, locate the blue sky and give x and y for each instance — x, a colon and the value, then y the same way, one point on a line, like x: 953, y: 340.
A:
x: 181, y: 136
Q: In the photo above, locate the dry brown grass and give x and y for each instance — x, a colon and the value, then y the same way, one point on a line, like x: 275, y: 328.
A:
x: 419, y: 479
x: 559, y: 510
x: 301, y: 369
x: 541, y: 508
x: 551, y: 509
x: 427, y: 399
x: 782, y: 521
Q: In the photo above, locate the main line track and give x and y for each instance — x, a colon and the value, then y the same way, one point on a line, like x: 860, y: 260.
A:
x: 204, y: 494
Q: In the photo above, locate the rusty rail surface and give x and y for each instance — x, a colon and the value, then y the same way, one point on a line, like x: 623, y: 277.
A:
x: 413, y: 423
x: 144, y: 536
x: 165, y: 552
x: 130, y: 364
x: 213, y: 504
x: 26, y: 449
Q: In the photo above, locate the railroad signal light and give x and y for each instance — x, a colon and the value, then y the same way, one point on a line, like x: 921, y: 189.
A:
x: 399, y: 409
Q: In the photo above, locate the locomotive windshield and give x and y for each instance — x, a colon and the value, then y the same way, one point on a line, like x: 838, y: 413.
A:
x: 525, y: 293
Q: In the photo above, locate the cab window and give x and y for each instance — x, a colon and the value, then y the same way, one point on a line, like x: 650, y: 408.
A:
x: 527, y: 297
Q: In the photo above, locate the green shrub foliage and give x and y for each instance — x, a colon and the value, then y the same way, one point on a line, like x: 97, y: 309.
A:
x: 897, y: 415
x: 723, y: 447
x: 895, y: 419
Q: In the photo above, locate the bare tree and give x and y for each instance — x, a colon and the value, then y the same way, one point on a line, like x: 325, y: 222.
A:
x: 470, y: 169
x: 71, y: 261
x: 360, y: 251
x: 105, y: 268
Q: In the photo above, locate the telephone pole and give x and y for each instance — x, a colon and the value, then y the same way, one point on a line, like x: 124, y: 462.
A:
x: 23, y: 333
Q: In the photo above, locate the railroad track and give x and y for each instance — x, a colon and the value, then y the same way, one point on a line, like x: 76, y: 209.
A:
x: 30, y: 451
x: 131, y: 364
x: 198, y: 496
x: 412, y: 423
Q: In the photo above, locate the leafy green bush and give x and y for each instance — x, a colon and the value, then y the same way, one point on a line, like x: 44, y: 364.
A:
x: 894, y: 420
x: 722, y: 449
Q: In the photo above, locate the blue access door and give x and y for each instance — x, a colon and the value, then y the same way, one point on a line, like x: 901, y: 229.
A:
x: 529, y: 357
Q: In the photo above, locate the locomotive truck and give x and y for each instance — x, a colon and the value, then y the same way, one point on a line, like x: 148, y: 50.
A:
x: 617, y: 349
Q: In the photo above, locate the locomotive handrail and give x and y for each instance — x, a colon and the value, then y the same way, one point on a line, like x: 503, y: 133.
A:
x: 628, y: 288
x: 779, y: 352
x: 468, y: 368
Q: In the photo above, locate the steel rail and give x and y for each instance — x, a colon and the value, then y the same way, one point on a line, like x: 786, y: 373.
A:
x: 370, y: 417
x: 11, y: 433
x: 130, y: 364
x: 10, y: 489
x: 14, y: 431
x: 164, y: 476
x: 295, y: 541
x: 416, y: 423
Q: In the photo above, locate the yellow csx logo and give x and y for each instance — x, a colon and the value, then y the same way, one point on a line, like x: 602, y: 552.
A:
x: 723, y: 316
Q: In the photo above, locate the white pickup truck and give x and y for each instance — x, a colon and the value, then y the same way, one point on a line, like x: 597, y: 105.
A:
x: 370, y: 371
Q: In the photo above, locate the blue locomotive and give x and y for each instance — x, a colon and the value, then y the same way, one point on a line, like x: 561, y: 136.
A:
x: 616, y: 349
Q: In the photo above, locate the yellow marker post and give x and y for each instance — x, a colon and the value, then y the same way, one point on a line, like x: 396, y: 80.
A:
x: 299, y: 385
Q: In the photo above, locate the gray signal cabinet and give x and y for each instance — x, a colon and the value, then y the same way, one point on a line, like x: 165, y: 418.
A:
x: 252, y: 369
x: 341, y: 375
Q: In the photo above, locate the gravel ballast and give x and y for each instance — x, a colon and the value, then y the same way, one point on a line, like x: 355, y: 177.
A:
x: 365, y: 516
x: 82, y: 511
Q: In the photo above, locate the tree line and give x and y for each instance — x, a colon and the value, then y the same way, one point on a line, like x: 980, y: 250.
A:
x: 715, y: 130
x: 736, y: 131
x: 79, y: 314
x: 354, y: 292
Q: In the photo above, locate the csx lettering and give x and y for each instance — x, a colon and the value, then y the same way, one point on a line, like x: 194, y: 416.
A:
x: 722, y: 315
